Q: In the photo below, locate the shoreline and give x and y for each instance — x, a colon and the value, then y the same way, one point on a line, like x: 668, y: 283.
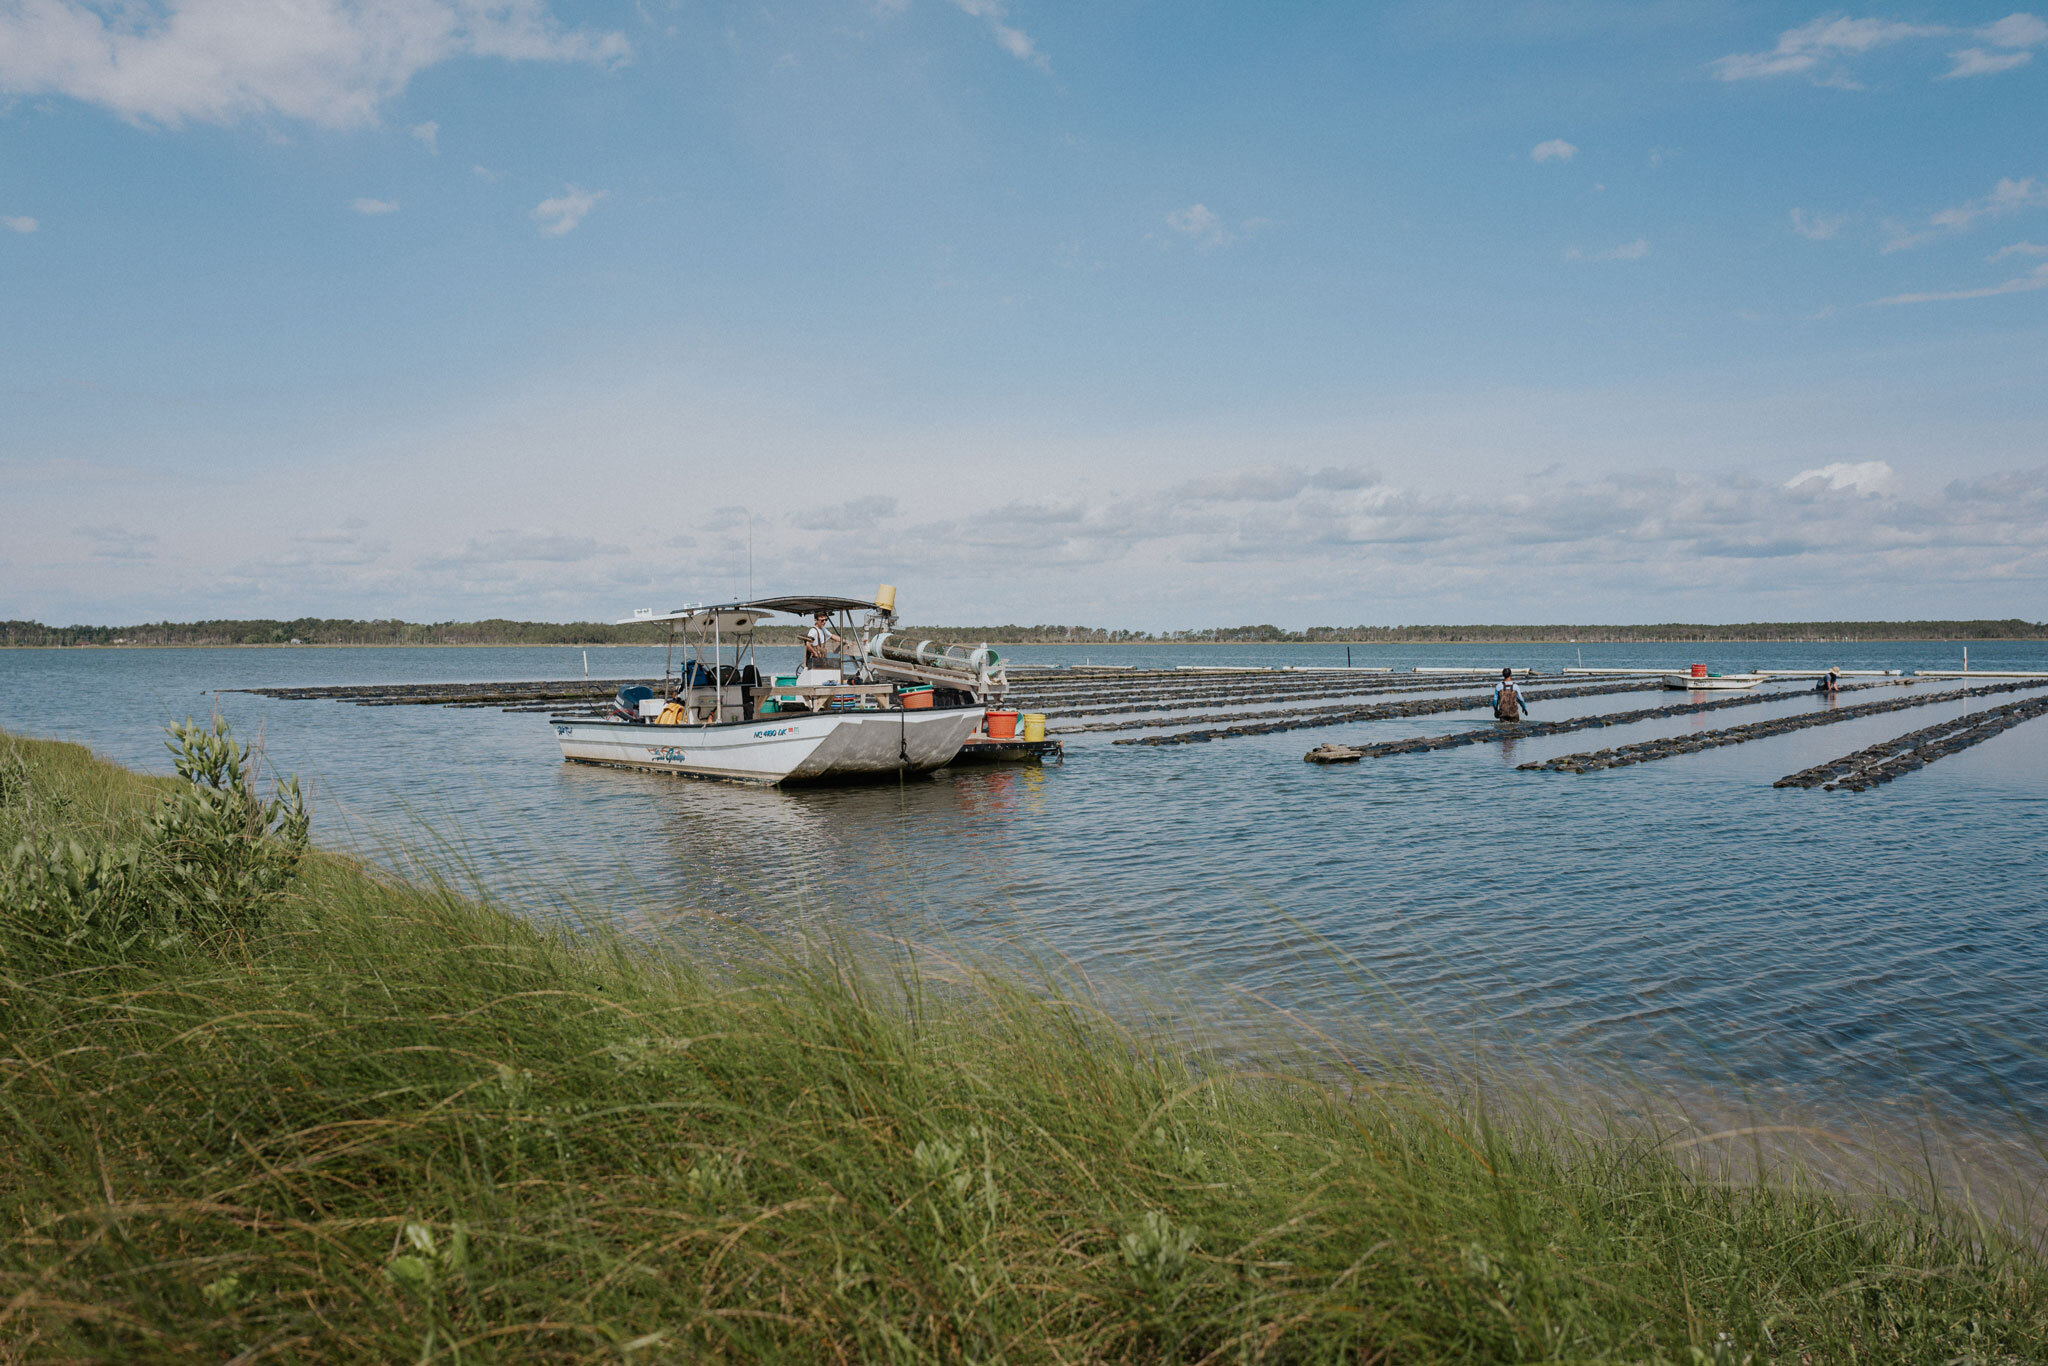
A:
x: 1084, y: 644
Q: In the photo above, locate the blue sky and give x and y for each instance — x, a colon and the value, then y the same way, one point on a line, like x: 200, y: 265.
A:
x: 1141, y: 314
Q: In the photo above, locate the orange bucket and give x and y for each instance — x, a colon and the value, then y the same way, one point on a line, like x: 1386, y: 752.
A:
x: 917, y: 699
x: 1002, y: 725
x: 1699, y: 671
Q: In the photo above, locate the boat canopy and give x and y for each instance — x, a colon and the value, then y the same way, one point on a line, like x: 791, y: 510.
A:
x: 804, y: 604
x: 723, y: 618
x: 739, y: 616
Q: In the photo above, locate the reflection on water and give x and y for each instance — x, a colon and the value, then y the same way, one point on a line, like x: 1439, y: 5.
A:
x: 1679, y: 915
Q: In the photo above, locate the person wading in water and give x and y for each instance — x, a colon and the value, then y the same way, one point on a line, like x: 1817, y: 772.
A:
x: 1507, y: 698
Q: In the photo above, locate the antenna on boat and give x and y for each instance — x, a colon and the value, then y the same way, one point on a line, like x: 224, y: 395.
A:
x: 750, y: 555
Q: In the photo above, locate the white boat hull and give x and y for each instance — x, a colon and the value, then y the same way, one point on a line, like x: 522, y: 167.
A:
x: 791, y: 747
x: 1722, y: 683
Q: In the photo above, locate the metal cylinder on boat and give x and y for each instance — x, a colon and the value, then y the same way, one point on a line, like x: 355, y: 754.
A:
x: 953, y: 659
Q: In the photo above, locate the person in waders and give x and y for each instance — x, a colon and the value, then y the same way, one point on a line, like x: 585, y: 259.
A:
x: 1507, y: 698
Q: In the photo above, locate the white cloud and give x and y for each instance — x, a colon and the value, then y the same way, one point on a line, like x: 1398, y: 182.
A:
x: 2037, y: 278
x: 20, y: 223
x: 1254, y: 485
x: 116, y: 542
x: 1627, y: 251
x: 326, y: 62
x: 1200, y: 222
x: 561, y: 214
x: 1638, y: 533
x: 1866, y: 477
x: 521, y: 547
x: 2007, y: 197
x: 1556, y: 149
x: 1803, y: 50
x: 1189, y: 525
x: 1012, y: 40
x: 346, y: 546
x: 1816, y: 50
x: 2016, y: 30
x: 1975, y: 61
x: 2019, y: 249
x: 1816, y: 227
x: 1898, y: 237
x: 2015, y: 33
x: 375, y: 206
x: 429, y: 136
x: 855, y: 514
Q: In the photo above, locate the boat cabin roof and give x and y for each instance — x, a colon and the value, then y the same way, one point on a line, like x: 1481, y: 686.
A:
x: 741, y: 616
x: 804, y: 604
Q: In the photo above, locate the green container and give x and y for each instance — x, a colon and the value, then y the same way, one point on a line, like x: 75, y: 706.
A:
x: 768, y: 708
x: 785, y: 680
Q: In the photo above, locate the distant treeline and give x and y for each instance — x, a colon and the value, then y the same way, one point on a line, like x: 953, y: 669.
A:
x: 2013, y: 629
x: 330, y: 631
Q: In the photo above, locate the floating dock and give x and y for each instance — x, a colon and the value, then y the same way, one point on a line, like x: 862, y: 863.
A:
x: 1011, y: 752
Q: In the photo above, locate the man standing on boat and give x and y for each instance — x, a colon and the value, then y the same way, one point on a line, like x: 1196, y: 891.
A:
x: 1507, y: 698
x: 819, y: 640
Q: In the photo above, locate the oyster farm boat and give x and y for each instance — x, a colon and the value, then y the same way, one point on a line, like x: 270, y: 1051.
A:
x: 1699, y: 680
x: 880, y: 705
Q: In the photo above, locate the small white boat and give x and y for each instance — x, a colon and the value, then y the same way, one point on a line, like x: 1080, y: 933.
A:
x: 716, y: 716
x: 1711, y: 682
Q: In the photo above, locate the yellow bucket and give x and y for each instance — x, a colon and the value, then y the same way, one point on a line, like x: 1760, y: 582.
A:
x: 1034, y: 726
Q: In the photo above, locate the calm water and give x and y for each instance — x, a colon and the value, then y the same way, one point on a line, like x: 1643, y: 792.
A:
x: 1679, y: 916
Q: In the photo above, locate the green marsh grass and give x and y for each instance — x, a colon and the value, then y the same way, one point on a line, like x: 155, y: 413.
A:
x: 394, y: 1122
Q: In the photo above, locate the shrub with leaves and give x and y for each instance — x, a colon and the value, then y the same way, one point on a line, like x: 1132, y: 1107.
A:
x: 223, y: 854
x: 212, y: 862
x: 64, y: 903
